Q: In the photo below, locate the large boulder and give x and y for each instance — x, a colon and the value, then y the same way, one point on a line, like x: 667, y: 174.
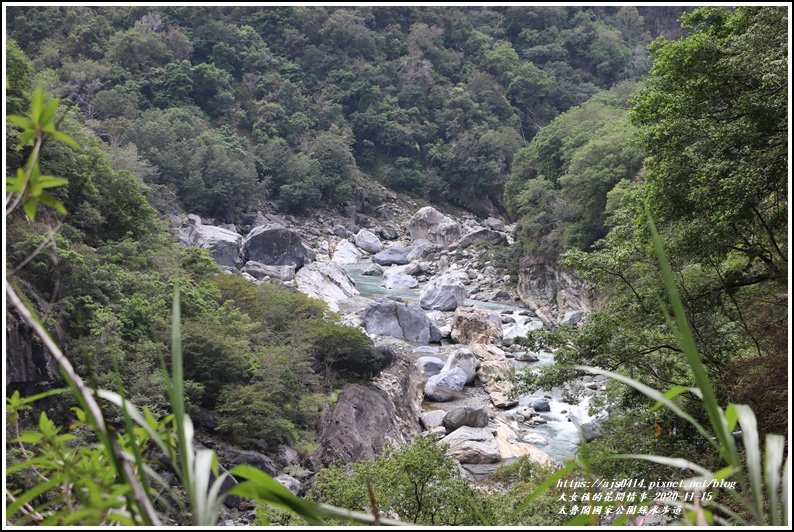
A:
x: 258, y: 270
x: 446, y: 386
x: 394, y: 278
x: 368, y: 241
x: 233, y: 457
x: 464, y: 359
x: 465, y: 416
x: 327, y: 281
x: 494, y: 223
x: 541, y: 405
x: 431, y: 225
x: 395, y: 255
x: 488, y: 237
x: 421, y: 248
x: 430, y: 366
x: 406, y: 321
x: 346, y: 253
x: 572, y: 317
x: 273, y: 244
x: 470, y: 445
x: 496, y: 374
x: 433, y: 419
x: 446, y: 292
x: 290, y: 482
x: 366, y: 417
x: 551, y: 291
x: 474, y: 326
x: 223, y: 244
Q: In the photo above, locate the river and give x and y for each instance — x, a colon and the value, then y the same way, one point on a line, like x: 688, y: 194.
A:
x: 562, y: 435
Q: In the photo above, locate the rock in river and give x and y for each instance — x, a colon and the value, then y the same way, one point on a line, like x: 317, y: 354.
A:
x: 400, y: 320
x: 471, y: 445
x: 273, y: 244
x: 396, y: 255
x: 367, y: 241
x: 327, y: 281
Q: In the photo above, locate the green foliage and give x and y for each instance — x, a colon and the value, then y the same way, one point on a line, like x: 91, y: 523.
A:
x: 420, y: 483
x: 560, y: 182
x: 19, y: 70
x: 27, y: 187
x: 349, y: 91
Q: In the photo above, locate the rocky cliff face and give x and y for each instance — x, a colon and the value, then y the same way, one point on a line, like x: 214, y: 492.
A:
x: 556, y: 295
x: 365, y: 418
x: 29, y: 368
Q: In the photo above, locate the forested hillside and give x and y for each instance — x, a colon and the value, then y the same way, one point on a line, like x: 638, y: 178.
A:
x: 303, y: 104
x: 434, y: 265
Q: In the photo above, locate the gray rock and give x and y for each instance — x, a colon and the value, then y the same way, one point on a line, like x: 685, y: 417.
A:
x: 433, y: 419
x: 346, y: 253
x: 541, y: 405
x: 430, y: 366
x: 400, y: 320
x: 431, y: 225
x: 291, y: 483
x: 511, y: 332
x: 271, y: 244
x: 445, y: 386
x: 223, y: 244
x: 494, y: 223
x: 367, y: 241
x: 526, y: 356
x: 487, y: 237
x: 471, y: 445
x: 288, y: 455
x: 468, y: 416
x: 365, y: 418
x: 396, y: 255
x: 327, y: 281
x: 426, y: 350
x: 234, y: 457
x: 464, y: 359
x: 373, y: 270
x: 395, y: 279
x: 535, y: 439
x: 260, y: 271
x: 388, y: 232
x: 420, y: 249
x: 446, y: 292
x: 475, y: 326
x: 572, y: 317
x: 341, y: 231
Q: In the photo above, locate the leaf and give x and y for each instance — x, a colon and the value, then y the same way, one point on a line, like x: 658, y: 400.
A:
x: 752, y: 450
x: 545, y: 485
x: 261, y: 487
x: 775, y: 447
x: 30, y: 206
x: 31, y: 494
x: 674, y: 392
x: 37, y: 105
x: 48, y: 114
x: 62, y: 137
x: 22, y: 121
x: 727, y: 446
x: 679, y: 463
x: 135, y: 414
x: 653, y: 394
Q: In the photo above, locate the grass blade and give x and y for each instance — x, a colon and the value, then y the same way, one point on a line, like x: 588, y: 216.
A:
x: 752, y: 450
x: 727, y: 446
x: 653, y: 394
x: 775, y: 447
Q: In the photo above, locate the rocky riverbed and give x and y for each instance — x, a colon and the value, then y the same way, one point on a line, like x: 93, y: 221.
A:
x: 422, y: 286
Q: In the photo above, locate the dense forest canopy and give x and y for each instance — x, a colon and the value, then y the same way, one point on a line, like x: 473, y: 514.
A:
x: 578, y: 124
x: 300, y: 104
